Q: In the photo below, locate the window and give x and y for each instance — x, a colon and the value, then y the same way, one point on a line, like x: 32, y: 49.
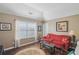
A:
x: 25, y: 30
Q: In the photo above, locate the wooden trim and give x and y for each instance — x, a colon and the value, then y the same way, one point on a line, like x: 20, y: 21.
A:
x: 8, y: 48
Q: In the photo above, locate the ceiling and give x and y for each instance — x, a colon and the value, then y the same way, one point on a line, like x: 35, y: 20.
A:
x: 20, y: 9
x: 56, y: 10
x: 48, y: 11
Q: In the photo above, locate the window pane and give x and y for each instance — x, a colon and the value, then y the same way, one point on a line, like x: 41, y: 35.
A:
x: 25, y: 29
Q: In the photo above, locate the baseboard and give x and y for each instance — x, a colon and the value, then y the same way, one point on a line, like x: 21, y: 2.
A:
x: 8, y: 48
x: 28, y: 43
x: 20, y: 45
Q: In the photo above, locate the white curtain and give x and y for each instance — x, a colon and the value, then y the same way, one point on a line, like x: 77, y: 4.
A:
x: 25, y: 29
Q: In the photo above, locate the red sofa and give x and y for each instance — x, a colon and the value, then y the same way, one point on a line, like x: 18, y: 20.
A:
x: 60, y: 41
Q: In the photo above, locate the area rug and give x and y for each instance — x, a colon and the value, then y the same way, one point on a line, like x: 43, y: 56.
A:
x: 31, y: 51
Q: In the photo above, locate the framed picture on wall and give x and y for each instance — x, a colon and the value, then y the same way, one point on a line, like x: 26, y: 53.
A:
x: 62, y: 26
x: 5, y: 26
x: 39, y: 28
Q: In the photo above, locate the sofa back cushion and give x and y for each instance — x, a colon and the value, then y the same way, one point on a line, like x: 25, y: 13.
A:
x: 52, y: 38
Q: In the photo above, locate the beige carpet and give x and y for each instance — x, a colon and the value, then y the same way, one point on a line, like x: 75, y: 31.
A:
x: 31, y: 51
